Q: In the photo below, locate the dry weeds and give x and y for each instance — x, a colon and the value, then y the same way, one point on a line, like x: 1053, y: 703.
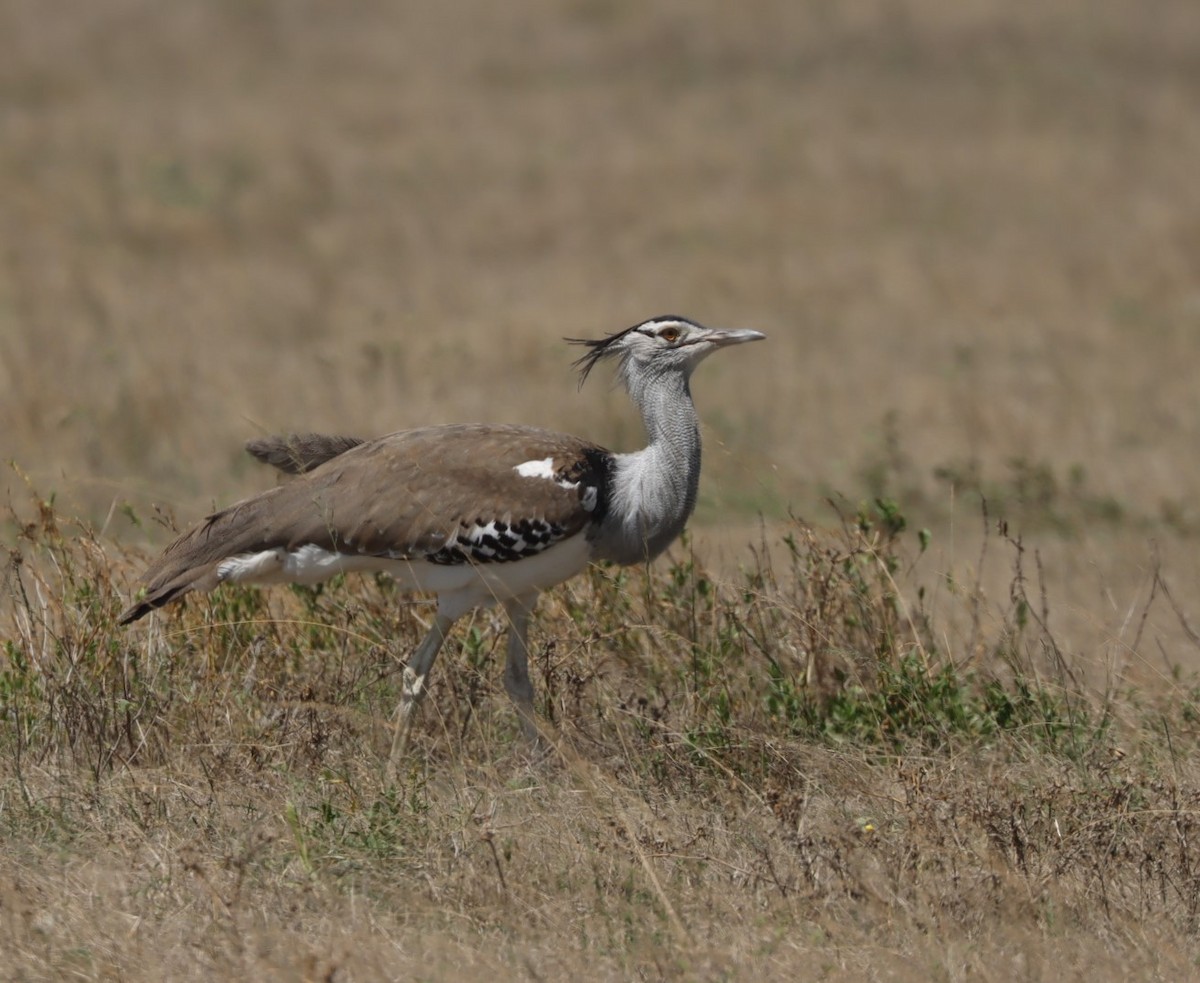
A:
x: 781, y: 777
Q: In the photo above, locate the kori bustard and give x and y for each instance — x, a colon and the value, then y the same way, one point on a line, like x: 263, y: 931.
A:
x: 476, y: 514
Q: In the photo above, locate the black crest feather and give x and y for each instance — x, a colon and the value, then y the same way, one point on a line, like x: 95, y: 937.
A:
x: 602, y: 348
x: 598, y: 350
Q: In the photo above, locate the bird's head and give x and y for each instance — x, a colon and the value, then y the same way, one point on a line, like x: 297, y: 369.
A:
x: 659, y: 346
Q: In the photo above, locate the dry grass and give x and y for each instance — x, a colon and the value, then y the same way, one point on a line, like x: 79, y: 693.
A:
x: 969, y: 230
x: 782, y: 777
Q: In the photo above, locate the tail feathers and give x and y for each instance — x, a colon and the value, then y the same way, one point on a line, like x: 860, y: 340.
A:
x: 164, y: 589
x: 148, y: 603
x: 298, y: 453
x: 191, y: 563
x: 246, y: 527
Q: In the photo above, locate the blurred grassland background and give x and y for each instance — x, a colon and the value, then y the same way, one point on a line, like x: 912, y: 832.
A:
x: 971, y: 231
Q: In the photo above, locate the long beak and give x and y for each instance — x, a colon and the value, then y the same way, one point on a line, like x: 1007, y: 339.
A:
x: 724, y: 336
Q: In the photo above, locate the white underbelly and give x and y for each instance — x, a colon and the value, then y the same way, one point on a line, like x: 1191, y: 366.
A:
x: 461, y: 585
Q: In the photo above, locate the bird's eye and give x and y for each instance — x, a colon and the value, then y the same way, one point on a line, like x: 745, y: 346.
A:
x: 669, y: 334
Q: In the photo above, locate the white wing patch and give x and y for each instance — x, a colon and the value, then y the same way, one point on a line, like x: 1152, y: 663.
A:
x: 250, y: 567
x: 536, y: 469
x: 310, y: 564
x: 545, y: 469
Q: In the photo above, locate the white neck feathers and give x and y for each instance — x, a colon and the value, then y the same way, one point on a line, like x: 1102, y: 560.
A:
x: 654, y: 489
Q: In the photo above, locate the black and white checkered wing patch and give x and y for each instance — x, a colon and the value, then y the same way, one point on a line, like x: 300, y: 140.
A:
x: 499, y: 542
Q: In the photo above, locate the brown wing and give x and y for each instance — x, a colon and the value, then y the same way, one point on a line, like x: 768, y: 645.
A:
x: 410, y: 494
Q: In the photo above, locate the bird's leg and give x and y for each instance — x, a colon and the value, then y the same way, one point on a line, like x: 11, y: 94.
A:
x: 516, y: 668
x: 413, y: 686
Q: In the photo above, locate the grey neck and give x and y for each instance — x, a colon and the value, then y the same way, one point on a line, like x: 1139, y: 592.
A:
x: 654, y: 489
